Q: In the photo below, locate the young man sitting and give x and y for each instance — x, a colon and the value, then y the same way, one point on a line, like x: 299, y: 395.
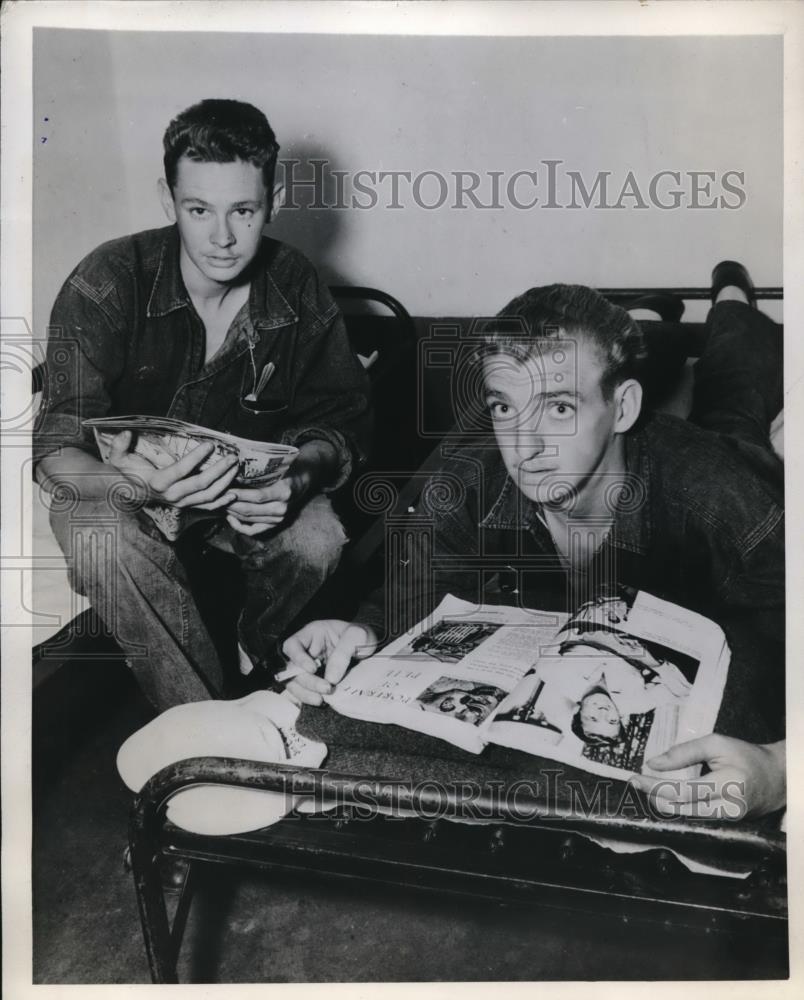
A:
x: 209, y: 322
x: 591, y: 490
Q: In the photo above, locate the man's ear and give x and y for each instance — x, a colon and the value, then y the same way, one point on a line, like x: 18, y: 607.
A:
x: 628, y: 400
x: 277, y: 199
x: 167, y: 199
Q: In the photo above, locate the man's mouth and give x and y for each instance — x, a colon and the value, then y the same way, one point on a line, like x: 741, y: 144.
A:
x: 533, y: 469
x: 221, y: 261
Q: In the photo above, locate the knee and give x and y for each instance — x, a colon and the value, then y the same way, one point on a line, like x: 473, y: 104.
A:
x: 310, y: 545
x: 97, y: 540
x: 317, y: 537
x: 91, y: 520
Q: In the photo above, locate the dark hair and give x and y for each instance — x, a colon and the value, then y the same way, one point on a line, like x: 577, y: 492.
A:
x: 594, y: 739
x: 567, y: 311
x: 221, y: 131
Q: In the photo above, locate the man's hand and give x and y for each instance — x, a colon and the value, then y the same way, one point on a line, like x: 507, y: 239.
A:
x: 334, y: 642
x: 260, y: 508
x: 177, y: 483
x: 745, y: 779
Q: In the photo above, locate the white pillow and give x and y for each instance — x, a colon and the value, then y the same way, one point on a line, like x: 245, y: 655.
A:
x: 259, y: 727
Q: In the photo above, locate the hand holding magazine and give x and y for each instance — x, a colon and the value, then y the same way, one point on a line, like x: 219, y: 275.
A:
x: 163, y: 441
x: 623, y: 679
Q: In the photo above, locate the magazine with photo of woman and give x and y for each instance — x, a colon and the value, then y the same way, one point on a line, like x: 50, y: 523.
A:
x: 605, y: 690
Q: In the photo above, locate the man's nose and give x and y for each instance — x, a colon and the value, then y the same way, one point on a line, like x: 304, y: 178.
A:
x: 222, y: 235
x: 529, y: 439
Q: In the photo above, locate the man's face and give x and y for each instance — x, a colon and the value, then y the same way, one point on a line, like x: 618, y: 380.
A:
x: 599, y: 716
x: 220, y: 209
x: 554, y: 429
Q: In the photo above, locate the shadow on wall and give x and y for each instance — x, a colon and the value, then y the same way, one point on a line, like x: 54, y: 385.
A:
x: 307, y: 219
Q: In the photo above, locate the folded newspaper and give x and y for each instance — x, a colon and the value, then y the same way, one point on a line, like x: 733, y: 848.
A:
x: 623, y: 679
x: 163, y: 440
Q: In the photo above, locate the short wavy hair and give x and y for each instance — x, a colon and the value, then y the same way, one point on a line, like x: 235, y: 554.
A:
x: 555, y: 312
x: 221, y: 131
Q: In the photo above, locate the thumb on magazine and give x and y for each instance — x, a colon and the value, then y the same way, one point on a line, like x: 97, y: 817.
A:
x: 682, y: 755
x: 352, y: 643
x: 119, y: 447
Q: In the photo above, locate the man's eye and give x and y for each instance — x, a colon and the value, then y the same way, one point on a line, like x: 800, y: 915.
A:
x: 562, y: 410
x: 244, y: 213
x: 499, y: 411
x: 197, y: 212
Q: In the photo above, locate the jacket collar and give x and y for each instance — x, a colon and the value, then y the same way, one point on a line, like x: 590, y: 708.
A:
x: 633, y: 524
x: 168, y: 292
x: 632, y: 528
x: 268, y: 306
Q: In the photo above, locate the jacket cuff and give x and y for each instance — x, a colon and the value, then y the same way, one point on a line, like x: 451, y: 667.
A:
x: 372, y: 614
x: 346, y: 462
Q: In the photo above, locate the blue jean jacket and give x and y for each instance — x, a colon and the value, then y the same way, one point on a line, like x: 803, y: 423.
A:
x: 126, y: 339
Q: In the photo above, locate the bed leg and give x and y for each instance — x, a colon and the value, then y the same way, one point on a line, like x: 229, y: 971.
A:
x: 159, y: 942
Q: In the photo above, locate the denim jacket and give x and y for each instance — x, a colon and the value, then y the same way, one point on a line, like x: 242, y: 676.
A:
x: 126, y: 339
x: 695, y: 524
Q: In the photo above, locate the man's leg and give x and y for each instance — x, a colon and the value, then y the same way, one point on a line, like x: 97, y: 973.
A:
x: 283, y: 570
x: 139, y: 589
x: 738, y: 379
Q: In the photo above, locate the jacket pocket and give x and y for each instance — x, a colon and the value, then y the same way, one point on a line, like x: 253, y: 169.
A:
x: 263, y: 408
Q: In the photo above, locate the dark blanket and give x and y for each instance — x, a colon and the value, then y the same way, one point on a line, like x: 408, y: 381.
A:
x: 371, y: 750
x: 390, y: 751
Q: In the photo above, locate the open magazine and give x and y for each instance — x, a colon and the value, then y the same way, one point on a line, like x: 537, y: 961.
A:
x: 163, y: 441
x: 623, y: 679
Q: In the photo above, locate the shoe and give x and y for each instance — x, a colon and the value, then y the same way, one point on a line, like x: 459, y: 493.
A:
x: 669, y: 307
x: 729, y: 272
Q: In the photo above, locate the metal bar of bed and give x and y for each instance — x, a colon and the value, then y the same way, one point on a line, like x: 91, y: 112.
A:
x: 545, y: 862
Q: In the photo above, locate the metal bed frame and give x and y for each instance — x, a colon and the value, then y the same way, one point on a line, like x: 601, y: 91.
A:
x: 545, y: 862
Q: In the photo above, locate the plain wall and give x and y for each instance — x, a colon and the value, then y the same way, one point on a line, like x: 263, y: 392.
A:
x: 102, y: 101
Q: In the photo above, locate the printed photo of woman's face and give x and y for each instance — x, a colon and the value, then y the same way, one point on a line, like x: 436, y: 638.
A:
x: 600, y: 717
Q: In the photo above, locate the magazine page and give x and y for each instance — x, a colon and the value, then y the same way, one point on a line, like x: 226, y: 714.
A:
x: 628, y: 676
x: 163, y: 441
x: 447, y: 676
x: 170, y: 439
x: 689, y: 639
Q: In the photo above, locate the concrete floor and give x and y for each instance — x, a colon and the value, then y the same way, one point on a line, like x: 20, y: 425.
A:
x: 250, y: 928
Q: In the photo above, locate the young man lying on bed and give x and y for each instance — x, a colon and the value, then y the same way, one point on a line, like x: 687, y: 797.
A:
x: 597, y: 490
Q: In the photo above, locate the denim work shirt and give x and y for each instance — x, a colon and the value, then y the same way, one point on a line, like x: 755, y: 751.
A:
x: 125, y: 338
x: 695, y: 523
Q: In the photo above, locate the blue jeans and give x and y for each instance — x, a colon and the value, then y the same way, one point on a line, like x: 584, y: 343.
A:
x: 739, y: 380
x: 140, y: 589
